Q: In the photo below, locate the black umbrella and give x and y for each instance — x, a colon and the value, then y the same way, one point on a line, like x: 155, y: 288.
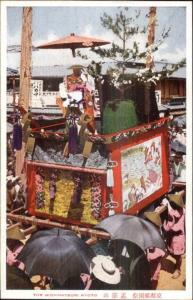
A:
x: 178, y: 147
x: 17, y: 279
x: 179, y: 121
x: 56, y: 253
x: 134, y: 229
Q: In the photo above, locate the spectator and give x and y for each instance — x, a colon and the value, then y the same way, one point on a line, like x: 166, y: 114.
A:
x: 174, y: 228
x: 104, y: 275
x: 14, y: 247
x: 133, y: 264
x: 154, y: 255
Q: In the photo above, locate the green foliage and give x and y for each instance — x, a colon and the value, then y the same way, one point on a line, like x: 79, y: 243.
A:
x: 118, y: 116
x: 124, y: 27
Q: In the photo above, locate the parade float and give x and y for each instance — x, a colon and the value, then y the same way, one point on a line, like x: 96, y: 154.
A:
x: 95, y: 160
x: 78, y: 176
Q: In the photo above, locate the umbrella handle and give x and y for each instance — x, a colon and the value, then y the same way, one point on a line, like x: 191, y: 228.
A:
x: 73, y: 52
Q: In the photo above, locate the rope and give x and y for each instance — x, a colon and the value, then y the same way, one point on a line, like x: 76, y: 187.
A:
x: 50, y: 132
x: 48, y: 126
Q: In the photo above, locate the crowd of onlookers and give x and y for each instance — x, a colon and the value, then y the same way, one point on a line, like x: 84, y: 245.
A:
x: 177, y: 148
x: 125, y: 266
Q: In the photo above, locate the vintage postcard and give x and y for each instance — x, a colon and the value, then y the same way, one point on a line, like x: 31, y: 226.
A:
x: 96, y: 150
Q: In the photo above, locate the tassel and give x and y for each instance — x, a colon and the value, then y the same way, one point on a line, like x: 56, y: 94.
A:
x: 73, y: 139
x: 39, y: 189
x: 52, y: 192
x: 96, y: 195
x: 110, y: 178
x: 76, y: 197
x: 17, y: 136
x: 111, y: 212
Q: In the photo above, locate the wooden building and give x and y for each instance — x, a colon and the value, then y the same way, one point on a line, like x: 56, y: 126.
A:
x: 173, y: 86
x: 46, y: 79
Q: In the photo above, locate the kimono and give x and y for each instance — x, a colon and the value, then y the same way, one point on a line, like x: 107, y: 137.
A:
x: 175, y: 231
x: 154, y: 256
x: 76, y: 83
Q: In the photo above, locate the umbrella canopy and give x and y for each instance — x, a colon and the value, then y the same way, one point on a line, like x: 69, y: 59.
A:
x: 56, y: 253
x: 179, y: 121
x: 17, y: 279
x: 73, y: 42
x: 134, y: 229
x: 178, y: 147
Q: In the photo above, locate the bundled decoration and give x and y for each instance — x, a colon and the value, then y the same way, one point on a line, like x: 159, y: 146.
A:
x: 17, y: 135
x: 39, y: 187
x: 96, y: 195
x: 52, y: 191
x: 73, y: 139
x: 84, y: 122
x: 26, y: 127
x: 76, y: 197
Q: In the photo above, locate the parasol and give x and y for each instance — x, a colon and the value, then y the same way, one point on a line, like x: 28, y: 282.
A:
x: 73, y: 42
x: 133, y: 229
x: 56, y: 253
x: 178, y: 147
x: 179, y: 121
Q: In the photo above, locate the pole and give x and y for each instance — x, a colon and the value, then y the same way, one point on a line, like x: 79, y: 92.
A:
x: 25, y: 62
x: 149, y: 58
x: 50, y: 224
x: 151, y: 37
x: 25, y: 78
x: 14, y: 111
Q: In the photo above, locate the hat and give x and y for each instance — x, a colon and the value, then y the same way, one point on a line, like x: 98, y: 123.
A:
x: 15, y: 233
x: 76, y: 67
x: 177, y: 199
x: 154, y: 217
x: 105, y: 270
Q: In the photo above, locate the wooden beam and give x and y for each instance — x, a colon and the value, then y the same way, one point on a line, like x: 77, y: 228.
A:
x: 25, y: 62
x: 18, y: 209
x: 66, y: 167
x: 151, y: 37
x: 93, y: 233
x: 29, y: 230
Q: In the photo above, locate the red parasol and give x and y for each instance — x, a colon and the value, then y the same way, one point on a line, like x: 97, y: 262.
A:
x: 74, y: 41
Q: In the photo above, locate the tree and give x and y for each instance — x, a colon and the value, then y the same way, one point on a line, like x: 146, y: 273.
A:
x: 125, y: 28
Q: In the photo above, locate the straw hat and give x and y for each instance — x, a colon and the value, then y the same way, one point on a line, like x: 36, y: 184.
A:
x: 76, y: 67
x: 177, y: 199
x: 15, y: 233
x: 105, y: 270
x: 154, y: 217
